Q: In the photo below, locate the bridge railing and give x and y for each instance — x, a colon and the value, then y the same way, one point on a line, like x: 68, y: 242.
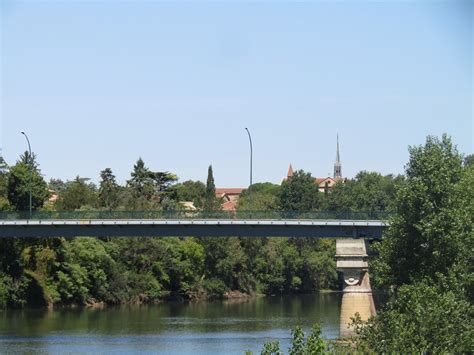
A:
x: 190, y: 215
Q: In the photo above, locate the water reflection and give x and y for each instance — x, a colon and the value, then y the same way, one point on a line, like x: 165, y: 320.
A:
x: 173, y: 327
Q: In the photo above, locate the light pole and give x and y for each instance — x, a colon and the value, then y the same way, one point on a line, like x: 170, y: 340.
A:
x: 250, y: 191
x: 31, y: 167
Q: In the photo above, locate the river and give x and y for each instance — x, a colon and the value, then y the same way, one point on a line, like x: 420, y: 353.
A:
x: 227, y: 327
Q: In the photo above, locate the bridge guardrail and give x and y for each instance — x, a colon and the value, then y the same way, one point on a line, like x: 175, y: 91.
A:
x: 190, y: 215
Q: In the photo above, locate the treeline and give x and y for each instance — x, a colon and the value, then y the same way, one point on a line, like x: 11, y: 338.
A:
x: 426, y: 258
x: 47, y: 271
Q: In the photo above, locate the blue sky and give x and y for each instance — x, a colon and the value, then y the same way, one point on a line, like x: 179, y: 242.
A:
x: 97, y: 84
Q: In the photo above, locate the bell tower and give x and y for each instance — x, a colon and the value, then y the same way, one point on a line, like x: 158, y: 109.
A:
x: 337, y: 164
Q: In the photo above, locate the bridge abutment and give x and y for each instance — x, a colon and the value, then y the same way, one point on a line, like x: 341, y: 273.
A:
x: 352, y: 263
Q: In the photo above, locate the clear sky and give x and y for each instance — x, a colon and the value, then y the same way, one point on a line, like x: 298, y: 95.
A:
x: 98, y: 84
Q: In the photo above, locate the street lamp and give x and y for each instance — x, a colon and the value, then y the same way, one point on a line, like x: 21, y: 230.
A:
x: 31, y: 167
x: 250, y: 191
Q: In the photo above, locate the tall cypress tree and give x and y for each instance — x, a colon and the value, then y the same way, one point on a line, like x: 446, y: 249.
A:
x: 211, y: 203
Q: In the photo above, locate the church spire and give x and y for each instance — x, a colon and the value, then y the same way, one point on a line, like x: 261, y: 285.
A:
x: 290, y: 171
x: 337, y: 164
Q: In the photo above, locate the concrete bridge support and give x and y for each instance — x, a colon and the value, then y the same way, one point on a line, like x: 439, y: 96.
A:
x: 351, y: 261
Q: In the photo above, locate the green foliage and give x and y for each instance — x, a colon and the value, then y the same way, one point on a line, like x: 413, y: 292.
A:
x: 368, y: 191
x: 297, y: 343
x: 4, y: 204
x: 18, y: 185
x: 214, y: 288
x: 4, y: 290
x: 299, y: 193
x: 141, y: 185
x: 469, y: 160
x: 109, y: 190
x: 271, y: 348
x: 211, y: 202
x: 422, y: 318
x: 429, y: 232
x: 264, y: 197
x: 77, y: 194
x: 57, y: 185
x: 189, y: 190
x: 313, y: 345
x: 427, y: 255
x: 147, y: 188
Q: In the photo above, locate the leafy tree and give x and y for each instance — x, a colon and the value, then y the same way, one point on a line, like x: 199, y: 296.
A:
x: 3, y: 166
x: 271, y: 348
x: 264, y: 197
x: 141, y: 181
x: 427, y: 255
x: 297, y: 343
x: 469, y: 160
x: 189, y: 190
x: 313, y: 345
x: 299, y: 193
x: 368, y: 191
x: 145, y: 184
x: 211, y: 202
x: 423, y: 318
x: 163, y: 180
x: 77, y: 194
x: 57, y: 185
x: 109, y: 190
x: 18, y: 185
x: 4, y: 204
x: 428, y: 233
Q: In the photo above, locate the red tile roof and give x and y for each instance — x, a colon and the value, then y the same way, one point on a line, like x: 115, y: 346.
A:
x: 229, y: 205
x: 229, y: 191
x: 321, y: 180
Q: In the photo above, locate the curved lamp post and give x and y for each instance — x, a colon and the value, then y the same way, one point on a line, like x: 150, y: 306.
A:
x: 31, y: 168
x: 250, y: 191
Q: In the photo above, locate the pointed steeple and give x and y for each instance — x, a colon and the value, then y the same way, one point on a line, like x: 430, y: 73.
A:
x: 290, y: 171
x: 337, y: 164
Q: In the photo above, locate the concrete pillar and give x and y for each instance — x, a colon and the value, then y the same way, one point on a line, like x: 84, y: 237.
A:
x: 351, y: 261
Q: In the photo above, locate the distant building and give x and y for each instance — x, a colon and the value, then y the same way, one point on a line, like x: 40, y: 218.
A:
x: 229, y: 196
x: 326, y: 183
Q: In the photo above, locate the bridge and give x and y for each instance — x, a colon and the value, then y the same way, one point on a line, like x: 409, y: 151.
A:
x: 198, y: 224
x: 352, y: 229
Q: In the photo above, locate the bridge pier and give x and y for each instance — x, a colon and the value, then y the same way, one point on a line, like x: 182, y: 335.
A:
x: 351, y: 261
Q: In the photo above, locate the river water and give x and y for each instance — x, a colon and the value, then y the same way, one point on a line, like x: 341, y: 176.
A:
x: 227, y: 327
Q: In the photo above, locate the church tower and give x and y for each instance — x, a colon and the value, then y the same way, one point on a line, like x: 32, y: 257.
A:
x: 337, y: 164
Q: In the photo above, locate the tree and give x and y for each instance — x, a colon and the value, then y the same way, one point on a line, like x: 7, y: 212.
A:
x: 423, y: 318
x: 146, y: 184
x: 427, y: 255
x: 141, y: 182
x: 4, y: 204
x: 427, y: 235
x: 469, y: 160
x: 211, y: 203
x: 57, y: 185
x: 264, y: 197
x: 189, y: 190
x: 367, y: 192
x: 77, y: 194
x: 18, y: 184
x: 299, y: 193
x: 109, y: 190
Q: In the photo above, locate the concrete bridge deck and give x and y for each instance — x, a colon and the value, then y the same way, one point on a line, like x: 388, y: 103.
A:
x: 193, y: 227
